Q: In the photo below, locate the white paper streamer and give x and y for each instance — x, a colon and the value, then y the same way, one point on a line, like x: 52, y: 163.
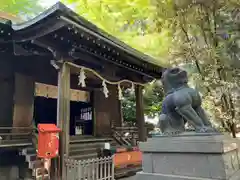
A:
x: 120, y: 95
x: 81, y: 78
x: 105, y: 89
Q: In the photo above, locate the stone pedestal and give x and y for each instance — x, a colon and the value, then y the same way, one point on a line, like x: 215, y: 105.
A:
x: 190, y: 158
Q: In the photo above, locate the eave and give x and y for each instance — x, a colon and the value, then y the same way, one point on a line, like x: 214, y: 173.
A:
x: 62, y: 33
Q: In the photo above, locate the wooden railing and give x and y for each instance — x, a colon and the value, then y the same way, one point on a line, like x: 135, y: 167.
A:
x: 97, y: 169
x: 125, y: 135
x: 15, y: 136
x: 35, y: 137
x: 15, y: 132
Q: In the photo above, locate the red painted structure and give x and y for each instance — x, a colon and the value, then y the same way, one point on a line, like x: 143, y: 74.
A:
x: 48, y: 141
x: 127, y: 157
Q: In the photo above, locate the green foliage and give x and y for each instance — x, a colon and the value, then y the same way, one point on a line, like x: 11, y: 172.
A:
x: 198, y: 28
x: 202, y: 35
x: 153, y: 95
x: 129, y: 20
x: 129, y: 106
x: 21, y: 8
x: 206, y: 35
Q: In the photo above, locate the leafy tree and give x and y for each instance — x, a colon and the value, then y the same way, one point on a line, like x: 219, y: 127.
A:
x: 153, y: 95
x: 129, y: 106
x: 19, y: 10
x: 206, y: 35
x: 199, y: 34
x: 129, y: 20
x: 132, y: 22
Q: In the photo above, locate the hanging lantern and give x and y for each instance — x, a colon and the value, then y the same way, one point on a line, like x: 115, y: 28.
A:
x: 120, y: 95
x: 105, y: 89
x: 81, y: 78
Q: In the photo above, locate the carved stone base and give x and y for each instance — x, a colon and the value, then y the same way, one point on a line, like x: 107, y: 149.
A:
x: 190, y: 158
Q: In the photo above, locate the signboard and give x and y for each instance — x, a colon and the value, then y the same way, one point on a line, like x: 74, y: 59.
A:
x: 84, y: 121
x: 50, y: 91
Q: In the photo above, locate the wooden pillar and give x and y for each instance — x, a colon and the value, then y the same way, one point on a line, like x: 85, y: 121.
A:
x: 114, y: 106
x: 63, y: 113
x: 140, y: 113
x: 23, y: 101
x: 120, y: 114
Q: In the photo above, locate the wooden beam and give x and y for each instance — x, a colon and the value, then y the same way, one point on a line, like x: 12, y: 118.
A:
x: 140, y: 113
x: 63, y: 113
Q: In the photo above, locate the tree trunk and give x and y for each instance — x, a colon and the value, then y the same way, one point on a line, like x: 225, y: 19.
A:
x: 140, y: 114
x: 233, y: 130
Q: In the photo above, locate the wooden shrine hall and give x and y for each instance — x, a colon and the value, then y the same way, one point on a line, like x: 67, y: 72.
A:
x: 59, y: 68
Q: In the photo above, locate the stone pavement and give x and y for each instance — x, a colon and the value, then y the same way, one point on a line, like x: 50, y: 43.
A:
x: 129, y: 178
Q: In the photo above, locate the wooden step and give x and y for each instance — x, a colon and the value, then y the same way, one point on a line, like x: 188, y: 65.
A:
x: 28, y: 150
x: 37, y: 173
x: 82, y: 151
x: 90, y: 140
x: 35, y: 164
x: 85, y: 156
x: 114, y: 143
x: 15, y: 136
x: 15, y: 143
x: 86, y: 145
x: 31, y: 157
x: 81, y: 137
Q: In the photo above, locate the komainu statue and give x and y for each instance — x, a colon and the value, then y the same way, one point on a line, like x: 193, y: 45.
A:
x: 182, y: 104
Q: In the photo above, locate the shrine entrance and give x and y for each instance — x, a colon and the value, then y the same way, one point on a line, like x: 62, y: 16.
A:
x: 75, y: 59
x: 45, y: 110
x: 81, y: 119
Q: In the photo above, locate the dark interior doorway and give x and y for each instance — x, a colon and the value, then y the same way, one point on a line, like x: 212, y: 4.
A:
x: 45, y: 111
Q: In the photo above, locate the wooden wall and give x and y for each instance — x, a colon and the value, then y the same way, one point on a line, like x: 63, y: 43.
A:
x: 6, y: 91
x: 107, y: 111
x: 23, y: 100
x: 17, y: 99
